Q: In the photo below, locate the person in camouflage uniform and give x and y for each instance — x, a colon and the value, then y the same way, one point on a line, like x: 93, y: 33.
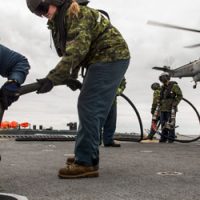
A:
x: 170, y: 97
x: 111, y: 120
x: 83, y: 37
x: 156, y: 100
x: 156, y: 96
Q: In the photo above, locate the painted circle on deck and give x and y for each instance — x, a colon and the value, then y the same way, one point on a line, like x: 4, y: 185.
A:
x: 5, y: 196
x: 169, y: 173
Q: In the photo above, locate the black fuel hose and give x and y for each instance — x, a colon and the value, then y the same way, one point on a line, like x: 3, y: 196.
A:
x: 138, y: 117
x: 185, y: 141
x: 34, y: 86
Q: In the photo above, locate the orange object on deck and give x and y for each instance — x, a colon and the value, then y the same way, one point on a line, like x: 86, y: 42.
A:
x: 13, y: 124
x: 24, y: 124
x: 4, y: 124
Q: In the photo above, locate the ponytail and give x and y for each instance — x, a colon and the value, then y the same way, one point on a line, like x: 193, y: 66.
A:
x: 74, y: 9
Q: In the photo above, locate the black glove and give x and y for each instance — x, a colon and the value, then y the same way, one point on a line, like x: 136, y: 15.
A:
x: 174, y: 104
x: 73, y: 84
x: 9, y: 93
x: 46, y: 85
x: 152, y: 111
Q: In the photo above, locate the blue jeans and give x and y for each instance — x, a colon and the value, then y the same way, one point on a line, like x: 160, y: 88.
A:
x: 110, y: 125
x: 94, y: 103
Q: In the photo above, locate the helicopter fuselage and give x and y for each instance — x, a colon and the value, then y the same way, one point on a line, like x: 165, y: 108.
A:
x: 191, y: 69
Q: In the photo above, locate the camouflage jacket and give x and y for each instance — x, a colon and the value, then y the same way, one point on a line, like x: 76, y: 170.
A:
x: 90, y: 39
x: 170, y: 96
x: 156, y: 100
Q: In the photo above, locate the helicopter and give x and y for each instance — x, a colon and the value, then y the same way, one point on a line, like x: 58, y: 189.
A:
x: 191, y: 69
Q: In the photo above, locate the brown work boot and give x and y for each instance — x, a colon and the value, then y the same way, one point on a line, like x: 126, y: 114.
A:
x: 78, y: 171
x: 70, y: 160
x: 113, y: 144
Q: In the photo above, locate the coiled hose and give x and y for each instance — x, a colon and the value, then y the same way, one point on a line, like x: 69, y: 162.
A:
x: 189, y: 140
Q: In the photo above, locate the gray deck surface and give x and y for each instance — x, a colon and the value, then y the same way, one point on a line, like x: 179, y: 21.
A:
x: 126, y: 173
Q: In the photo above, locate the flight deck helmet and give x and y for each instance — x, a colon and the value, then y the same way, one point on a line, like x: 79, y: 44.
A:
x: 41, y: 7
x: 164, y: 77
x: 155, y: 86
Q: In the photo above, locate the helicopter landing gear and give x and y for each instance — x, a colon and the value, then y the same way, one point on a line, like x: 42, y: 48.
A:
x: 195, y: 86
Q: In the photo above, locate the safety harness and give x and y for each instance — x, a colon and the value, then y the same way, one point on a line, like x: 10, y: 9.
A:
x: 166, y: 91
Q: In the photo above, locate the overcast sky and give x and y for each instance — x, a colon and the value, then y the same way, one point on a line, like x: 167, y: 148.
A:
x: 149, y: 46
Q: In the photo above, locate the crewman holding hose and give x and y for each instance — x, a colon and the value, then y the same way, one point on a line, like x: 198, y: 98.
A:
x: 170, y: 97
x: 155, y: 109
x: 83, y: 36
x: 15, y: 68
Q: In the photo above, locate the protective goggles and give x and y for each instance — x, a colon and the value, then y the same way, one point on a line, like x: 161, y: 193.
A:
x: 164, y: 78
x: 42, y: 9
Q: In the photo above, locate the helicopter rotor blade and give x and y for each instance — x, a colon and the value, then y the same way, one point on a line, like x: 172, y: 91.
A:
x: 164, y: 69
x: 192, y: 46
x: 155, y: 23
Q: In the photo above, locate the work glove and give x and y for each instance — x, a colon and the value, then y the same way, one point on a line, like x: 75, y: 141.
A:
x: 119, y: 91
x: 9, y: 93
x: 73, y: 84
x: 46, y: 85
x: 174, y: 104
